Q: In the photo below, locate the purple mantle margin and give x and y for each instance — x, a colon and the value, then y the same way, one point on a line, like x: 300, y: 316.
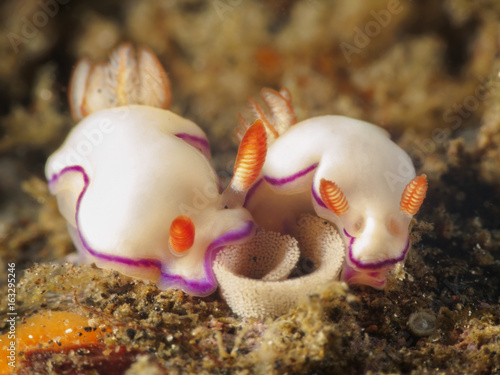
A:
x: 207, y: 286
x: 196, y: 142
x: 278, y: 181
x: 202, y: 287
x: 285, y: 180
x: 374, y: 265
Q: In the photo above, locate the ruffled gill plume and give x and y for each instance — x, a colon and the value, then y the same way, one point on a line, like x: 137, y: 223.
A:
x: 254, y: 276
x: 276, y: 114
x: 128, y: 78
x: 414, y: 195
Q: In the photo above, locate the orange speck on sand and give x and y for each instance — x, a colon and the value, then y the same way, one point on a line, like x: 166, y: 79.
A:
x: 55, y: 331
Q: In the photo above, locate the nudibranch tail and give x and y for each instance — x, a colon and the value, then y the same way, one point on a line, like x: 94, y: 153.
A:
x: 124, y: 80
x: 182, y: 233
x: 414, y: 195
x: 251, y: 157
x: 333, y: 197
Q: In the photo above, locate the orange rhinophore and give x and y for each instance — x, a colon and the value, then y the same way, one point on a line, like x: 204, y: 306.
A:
x: 333, y: 197
x: 251, y: 157
x: 181, y: 234
x: 414, y: 195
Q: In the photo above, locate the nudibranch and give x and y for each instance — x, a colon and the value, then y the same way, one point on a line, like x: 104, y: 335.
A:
x: 346, y: 171
x: 134, y: 181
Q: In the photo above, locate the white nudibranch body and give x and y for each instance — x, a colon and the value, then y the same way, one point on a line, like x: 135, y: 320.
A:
x: 346, y: 171
x: 139, y: 194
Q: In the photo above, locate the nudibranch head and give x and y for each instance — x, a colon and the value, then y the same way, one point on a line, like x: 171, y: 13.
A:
x: 346, y: 171
x: 137, y: 189
x: 371, y: 197
x: 377, y: 238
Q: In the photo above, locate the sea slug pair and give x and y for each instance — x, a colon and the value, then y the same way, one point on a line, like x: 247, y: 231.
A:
x: 135, y: 183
